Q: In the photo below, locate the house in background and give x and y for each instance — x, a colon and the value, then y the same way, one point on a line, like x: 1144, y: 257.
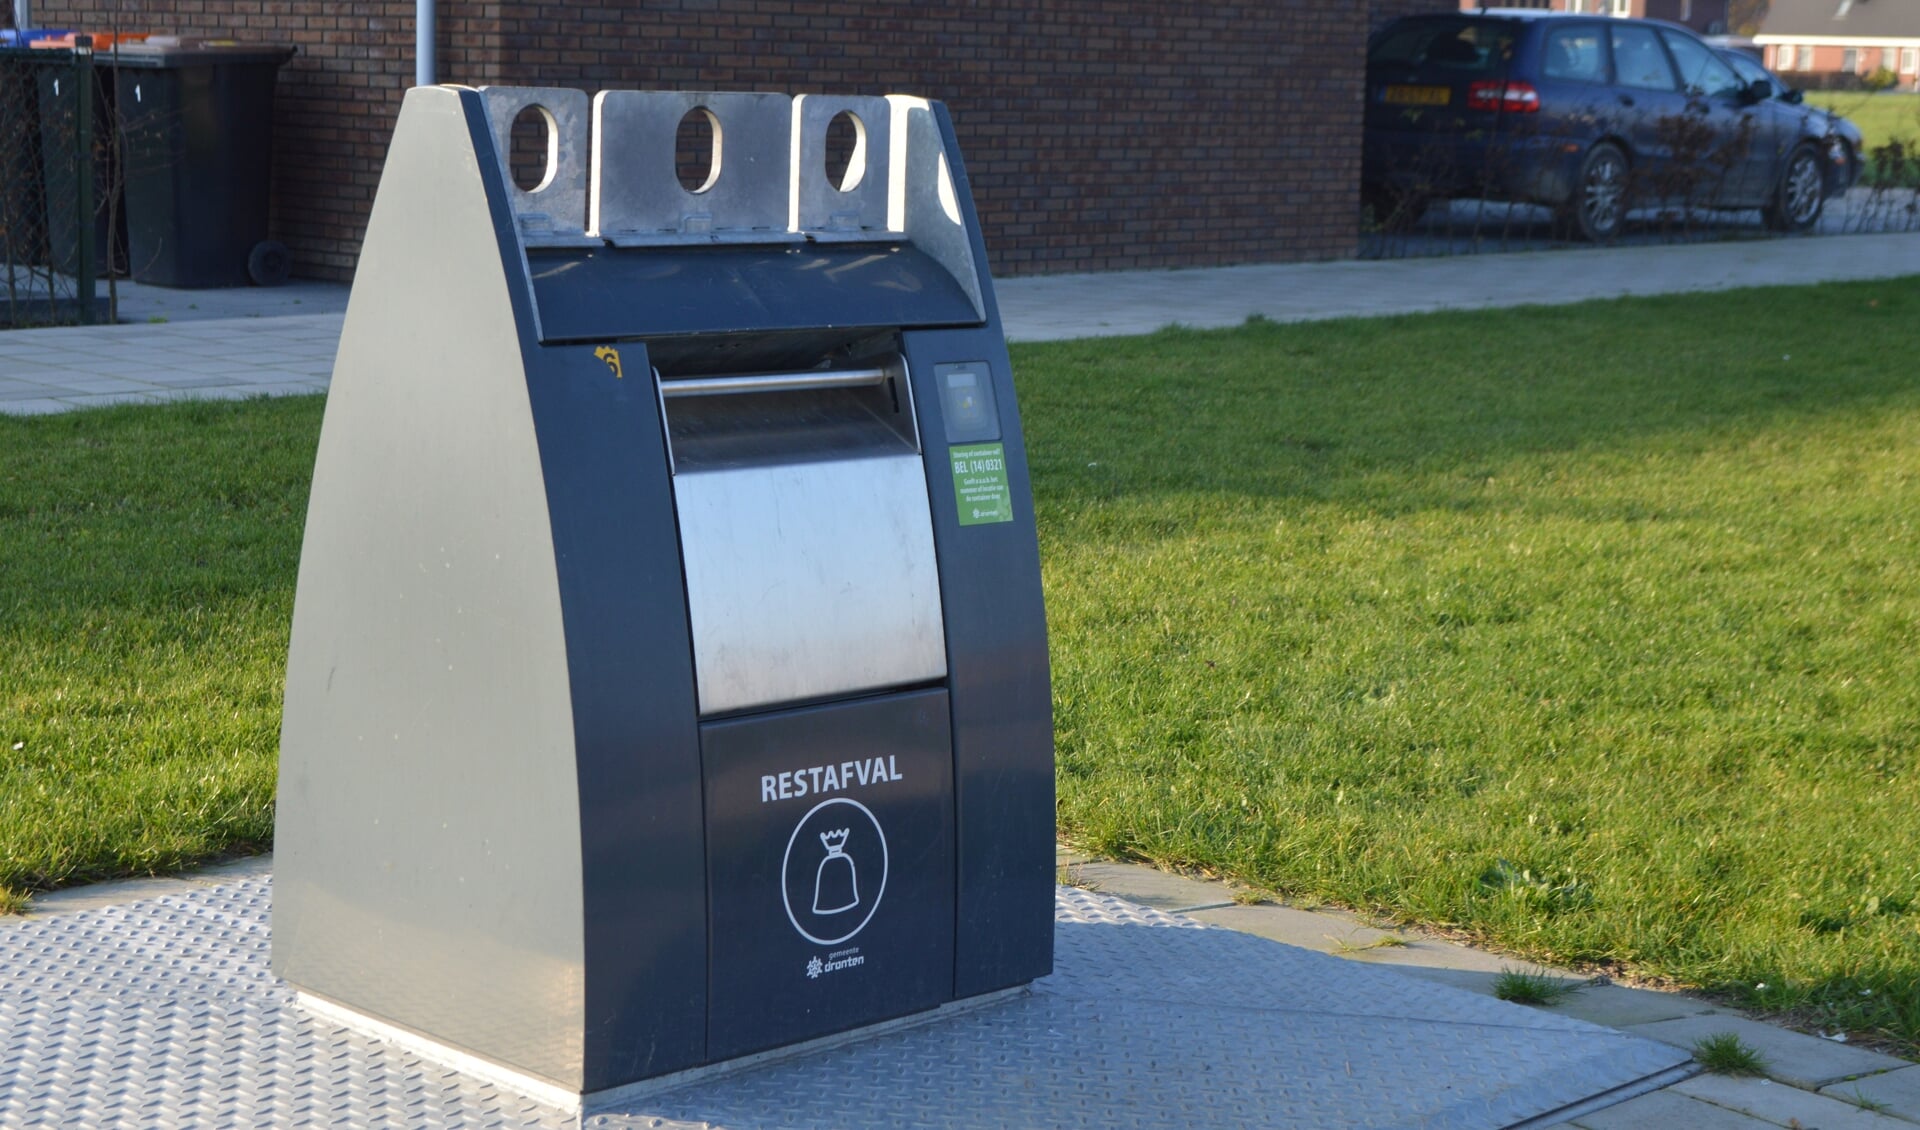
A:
x: 1708, y: 17
x: 1839, y: 43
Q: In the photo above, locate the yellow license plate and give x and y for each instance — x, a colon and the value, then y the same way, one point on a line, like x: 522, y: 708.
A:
x: 1417, y: 95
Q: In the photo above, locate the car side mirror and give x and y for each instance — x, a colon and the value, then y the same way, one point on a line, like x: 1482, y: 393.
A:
x: 1793, y: 96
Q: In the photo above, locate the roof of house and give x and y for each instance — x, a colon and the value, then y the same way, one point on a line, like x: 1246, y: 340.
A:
x: 1865, y: 19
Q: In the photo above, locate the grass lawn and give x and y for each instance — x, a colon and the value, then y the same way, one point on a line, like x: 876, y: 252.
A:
x: 1592, y: 632
x: 1881, y: 117
x: 147, y: 559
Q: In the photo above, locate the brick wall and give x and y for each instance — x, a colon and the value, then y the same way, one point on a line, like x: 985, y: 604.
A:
x: 1099, y: 134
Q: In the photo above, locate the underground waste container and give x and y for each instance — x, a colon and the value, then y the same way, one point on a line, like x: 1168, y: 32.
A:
x: 668, y: 674
x: 198, y: 123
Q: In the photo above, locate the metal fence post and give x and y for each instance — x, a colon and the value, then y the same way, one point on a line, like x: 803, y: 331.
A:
x: 83, y: 177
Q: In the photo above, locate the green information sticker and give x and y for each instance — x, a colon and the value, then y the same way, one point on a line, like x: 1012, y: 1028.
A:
x: 980, y: 483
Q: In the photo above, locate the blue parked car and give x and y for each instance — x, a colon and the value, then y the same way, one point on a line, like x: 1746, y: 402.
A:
x: 1588, y: 115
x: 1846, y: 146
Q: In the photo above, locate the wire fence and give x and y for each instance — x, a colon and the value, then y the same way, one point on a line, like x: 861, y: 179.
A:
x: 58, y: 212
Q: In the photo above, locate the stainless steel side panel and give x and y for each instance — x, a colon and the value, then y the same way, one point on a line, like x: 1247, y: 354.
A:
x: 809, y: 580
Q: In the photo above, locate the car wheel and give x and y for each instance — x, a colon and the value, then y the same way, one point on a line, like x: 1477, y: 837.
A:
x: 1599, y: 206
x: 269, y: 263
x: 1800, y: 195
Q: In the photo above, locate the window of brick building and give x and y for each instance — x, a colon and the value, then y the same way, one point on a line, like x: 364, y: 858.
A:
x: 1849, y: 59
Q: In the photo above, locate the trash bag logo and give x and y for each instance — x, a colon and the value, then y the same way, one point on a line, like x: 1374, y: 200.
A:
x: 836, y: 885
x: 834, y: 872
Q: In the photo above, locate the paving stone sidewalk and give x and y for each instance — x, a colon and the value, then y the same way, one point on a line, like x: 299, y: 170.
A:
x: 236, y: 344
x: 58, y: 370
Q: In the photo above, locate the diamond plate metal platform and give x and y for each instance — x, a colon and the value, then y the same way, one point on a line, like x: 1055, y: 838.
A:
x: 163, y: 1013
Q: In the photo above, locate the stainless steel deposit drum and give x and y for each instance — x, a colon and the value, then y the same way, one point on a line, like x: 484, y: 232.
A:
x: 668, y: 676
x: 809, y: 553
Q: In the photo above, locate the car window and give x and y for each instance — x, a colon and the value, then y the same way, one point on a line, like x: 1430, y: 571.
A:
x: 1459, y: 46
x: 1746, y: 68
x: 1701, y: 71
x: 1639, y: 61
x: 1751, y: 72
x: 1575, y: 53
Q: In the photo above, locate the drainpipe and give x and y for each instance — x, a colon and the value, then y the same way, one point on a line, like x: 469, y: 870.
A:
x: 23, y: 15
x: 423, y: 62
